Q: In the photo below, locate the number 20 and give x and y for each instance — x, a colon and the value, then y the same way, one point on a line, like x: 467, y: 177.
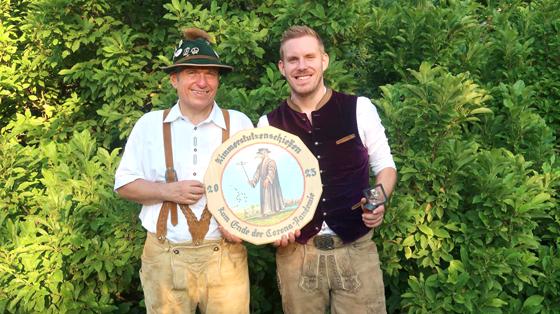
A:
x: 211, y: 189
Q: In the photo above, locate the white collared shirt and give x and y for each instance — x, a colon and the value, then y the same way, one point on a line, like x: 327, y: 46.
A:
x: 193, y: 145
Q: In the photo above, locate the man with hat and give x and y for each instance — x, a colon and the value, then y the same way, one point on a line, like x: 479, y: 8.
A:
x: 188, y: 261
x: 332, y: 263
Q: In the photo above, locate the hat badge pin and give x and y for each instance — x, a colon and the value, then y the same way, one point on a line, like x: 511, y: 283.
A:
x: 186, y: 51
x: 177, y: 52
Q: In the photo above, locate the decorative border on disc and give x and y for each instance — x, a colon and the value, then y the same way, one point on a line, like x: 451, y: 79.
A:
x: 262, y: 184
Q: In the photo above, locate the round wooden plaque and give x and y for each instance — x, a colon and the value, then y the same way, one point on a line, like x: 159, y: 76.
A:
x: 263, y: 183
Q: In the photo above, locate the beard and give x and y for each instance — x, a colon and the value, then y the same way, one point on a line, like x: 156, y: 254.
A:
x: 306, y: 90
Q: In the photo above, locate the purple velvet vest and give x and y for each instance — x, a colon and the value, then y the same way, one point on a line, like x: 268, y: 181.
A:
x: 343, y: 161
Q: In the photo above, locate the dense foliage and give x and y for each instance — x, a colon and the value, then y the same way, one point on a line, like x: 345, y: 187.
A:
x: 469, y: 92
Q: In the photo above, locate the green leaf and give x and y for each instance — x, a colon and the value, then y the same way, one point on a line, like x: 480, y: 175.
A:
x: 407, y: 252
x: 75, y: 46
x: 57, y: 276
x: 456, y: 266
x: 533, y: 203
x: 409, y: 241
x: 426, y: 230
x: 533, y: 301
x: 442, y: 233
x: 496, y: 302
x: 481, y: 111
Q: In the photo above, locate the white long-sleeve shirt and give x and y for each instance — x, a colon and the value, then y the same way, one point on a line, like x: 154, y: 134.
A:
x: 193, y: 145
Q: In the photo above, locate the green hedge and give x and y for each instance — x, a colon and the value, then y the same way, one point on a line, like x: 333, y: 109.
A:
x: 469, y: 92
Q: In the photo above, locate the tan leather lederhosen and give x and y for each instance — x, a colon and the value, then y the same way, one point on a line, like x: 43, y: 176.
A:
x: 197, y: 228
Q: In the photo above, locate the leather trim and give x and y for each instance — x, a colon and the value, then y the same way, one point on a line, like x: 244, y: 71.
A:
x: 345, y: 139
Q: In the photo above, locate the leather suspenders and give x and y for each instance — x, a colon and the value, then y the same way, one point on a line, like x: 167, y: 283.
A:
x: 197, y: 228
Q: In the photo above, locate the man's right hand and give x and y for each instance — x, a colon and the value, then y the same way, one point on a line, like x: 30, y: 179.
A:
x: 287, y: 240
x: 183, y: 192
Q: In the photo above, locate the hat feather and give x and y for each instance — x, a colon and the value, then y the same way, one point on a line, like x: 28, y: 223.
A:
x: 193, y: 33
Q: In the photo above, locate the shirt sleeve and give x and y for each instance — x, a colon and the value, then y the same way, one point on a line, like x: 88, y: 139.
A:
x: 130, y: 168
x: 372, y: 134
x: 263, y: 121
x: 242, y: 122
x: 246, y: 123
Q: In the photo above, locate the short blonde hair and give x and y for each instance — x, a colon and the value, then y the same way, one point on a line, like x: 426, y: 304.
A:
x: 298, y: 31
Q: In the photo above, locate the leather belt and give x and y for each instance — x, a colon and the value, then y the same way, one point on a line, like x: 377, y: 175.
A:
x: 326, y: 242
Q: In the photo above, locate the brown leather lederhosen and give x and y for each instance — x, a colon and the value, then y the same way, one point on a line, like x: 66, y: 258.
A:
x: 197, y: 228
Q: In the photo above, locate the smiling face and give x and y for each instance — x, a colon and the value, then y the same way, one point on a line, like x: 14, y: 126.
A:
x: 196, y: 88
x: 303, y: 63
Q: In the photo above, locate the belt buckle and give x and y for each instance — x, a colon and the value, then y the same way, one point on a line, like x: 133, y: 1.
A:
x: 324, y: 242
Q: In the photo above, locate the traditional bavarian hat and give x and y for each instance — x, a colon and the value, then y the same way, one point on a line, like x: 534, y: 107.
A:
x: 195, y: 50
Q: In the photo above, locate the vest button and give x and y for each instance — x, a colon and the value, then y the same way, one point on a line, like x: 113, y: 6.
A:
x: 309, y: 131
x: 318, y: 156
x: 324, y: 214
x: 175, y: 251
x: 316, y: 143
x: 324, y: 200
x: 216, y: 249
x: 316, y: 228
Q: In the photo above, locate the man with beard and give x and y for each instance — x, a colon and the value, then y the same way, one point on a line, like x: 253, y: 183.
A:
x: 332, y: 262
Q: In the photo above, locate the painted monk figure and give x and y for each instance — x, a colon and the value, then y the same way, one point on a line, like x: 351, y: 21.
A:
x: 271, y: 192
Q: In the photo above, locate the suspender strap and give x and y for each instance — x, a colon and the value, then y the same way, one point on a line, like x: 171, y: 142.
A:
x: 197, y: 228
x: 225, y: 132
x: 170, y: 176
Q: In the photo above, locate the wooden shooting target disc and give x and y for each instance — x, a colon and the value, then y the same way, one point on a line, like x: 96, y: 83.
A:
x: 262, y: 184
